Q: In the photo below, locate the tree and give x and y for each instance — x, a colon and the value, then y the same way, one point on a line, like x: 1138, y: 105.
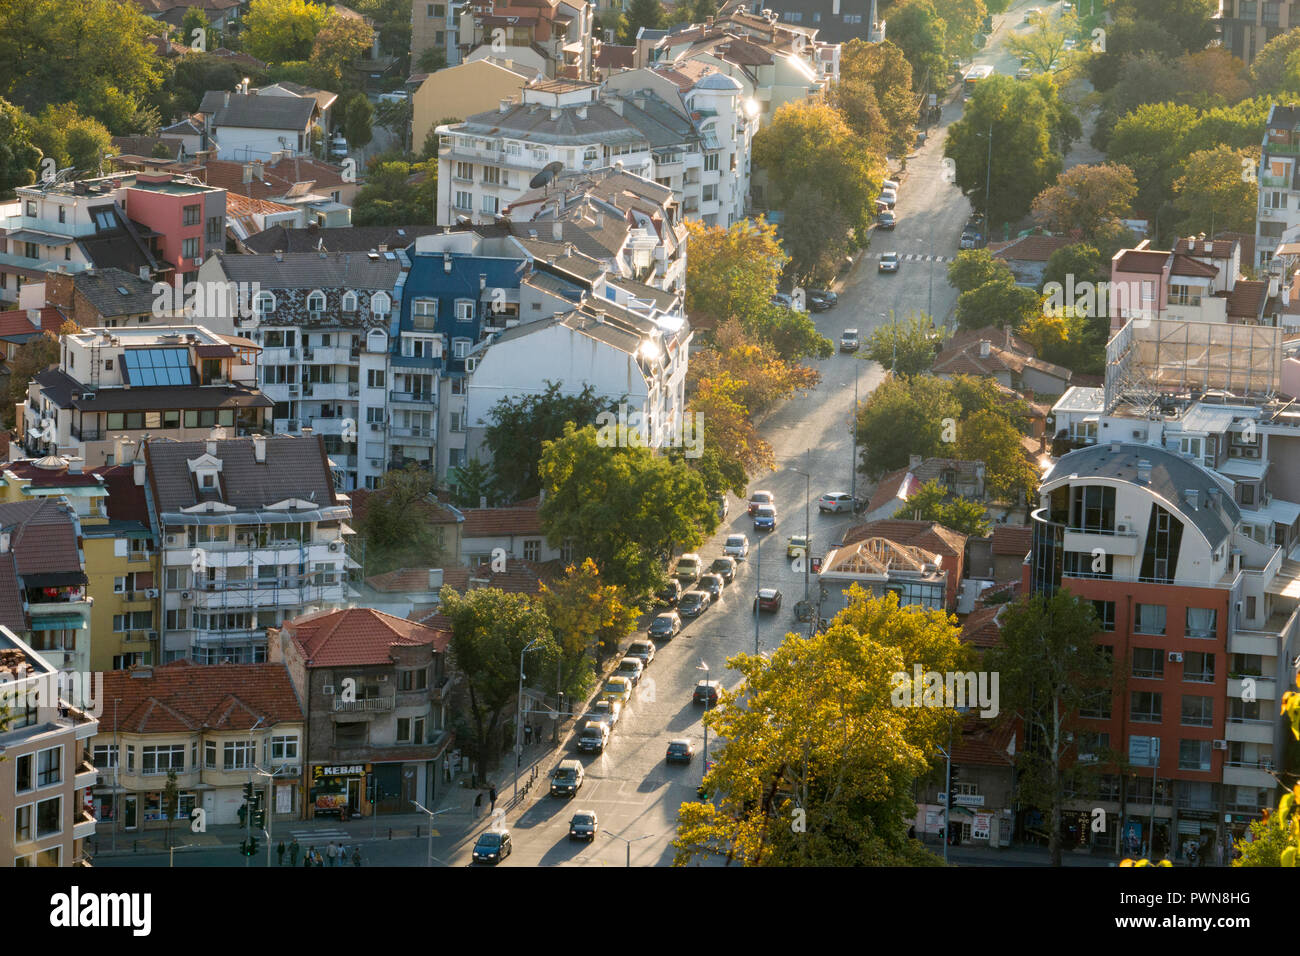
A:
x: 791, y: 334
x: 731, y: 272
x: 171, y: 798
x: 1087, y: 200
x: 489, y: 631
x: 764, y: 378
x: 987, y: 436
x: 1272, y: 70
x: 930, y: 502
x: 70, y: 139
x: 357, y: 115
x: 908, y: 349
x: 1051, y: 668
x: 19, y: 156
x: 1071, y: 339
x: 815, y: 234
x: 396, y: 528
x: 731, y: 434
x: 397, y: 194
x: 195, y: 74
x: 431, y: 59
x: 904, y: 417
x: 195, y: 28
x: 963, y: 20
x: 589, y: 619
x: 816, y: 763
x: 641, y: 13
x: 396, y: 118
x: 1191, y: 22
x: 874, y: 94
x: 1212, y: 194
x: 519, y: 428
x: 340, y: 42
x: 31, y: 358
x: 279, y: 30
x: 1276, y: 838
x: 392, y: 19
x: 1081, y: 261
x: 917, y: 29
x: 1043, y: 47
x: 470, y: 483
x: 701, y: 10
x: 621, y: 505
x: 996, y: 303
x: 809, y: 143
x: 1149, y: 141
x: 974, y: 267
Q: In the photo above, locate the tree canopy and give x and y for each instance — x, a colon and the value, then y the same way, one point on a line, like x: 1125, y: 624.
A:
x: 931, y: 502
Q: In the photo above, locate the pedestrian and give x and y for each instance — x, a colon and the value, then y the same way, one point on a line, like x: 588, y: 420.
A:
x: 293, y: 853
x: 332, y: 853
x: 356, y: 856
x: 492, y: 795
x: 478, y: 804
x: 279, y: 854
x: 446, y: 768
x: 309, y: 858
x: 528, y: 735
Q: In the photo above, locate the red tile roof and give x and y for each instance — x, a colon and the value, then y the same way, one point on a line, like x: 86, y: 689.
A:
x: 501, y: 522
x: 612, y: 56
x: 927, y: 535
x: 1220, y: 248
x: 981, y: 627
x: 358, y: 636
x: 126, y: 500
x: 1187, y: 266
x: 984, y: 743
x: 888, y: 489
x: 183, y: 697
x: 405, y: 580
x: 1246, y: 300
x: 1012, y: 539
x: 1031, y: 248
x: 1142, y: 260
x: 229, y: 175
x: 16, y: 322
x: 990, y: 333
x: 43, y: 538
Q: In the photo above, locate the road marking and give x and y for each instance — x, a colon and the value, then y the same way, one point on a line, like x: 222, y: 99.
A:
x: 318, y: 835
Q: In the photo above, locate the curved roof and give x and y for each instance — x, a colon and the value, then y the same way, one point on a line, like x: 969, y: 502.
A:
x: 719, y: 81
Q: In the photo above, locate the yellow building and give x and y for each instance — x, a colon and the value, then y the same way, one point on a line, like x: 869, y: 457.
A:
x: 459, y: 92
x: 121, y: 562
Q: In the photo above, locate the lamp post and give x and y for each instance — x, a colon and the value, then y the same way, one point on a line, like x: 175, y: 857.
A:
x: 947, y: 807
x: 988, y: 179
x: 853, y: 470
x: 117, y: 763
x: 629, y: 841
x: 431, y: 814
x: 758, y: 572
x: 707, y: 694
x: 519, y: 714
x: 171, y: 853
x: 807, y: 541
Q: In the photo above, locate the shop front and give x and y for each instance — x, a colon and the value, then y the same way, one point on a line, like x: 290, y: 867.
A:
x: 1198, y: 833
x: 339, y: 790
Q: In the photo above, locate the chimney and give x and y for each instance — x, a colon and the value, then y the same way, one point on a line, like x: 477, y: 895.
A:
x: 435, y: 578
x: 1144, y: 471
x: 582, y: 112
x: 212, y: 447
x: 446, y: 262
x: 74, y: 465
x: 914, y: 461
x: 119, y: 449
x: 259, y: 449
x: 482, y: 501
x: 568, y: 249
x: 557, y: 230
x: 257, y: 170
x: 248, y: 172
x: 504, y: 105
x: 482, y: 281
x: 600, y: 219
x: 4, y: 542
x: 1236, y: 560
x: 1193, y: 499
x: 138, y: 473
x: 555, y: 113
x: 1114, y: 448
x: 1212, y: 499
x: 307, y: 431
x: 225, y: 98
x: 985, y: 347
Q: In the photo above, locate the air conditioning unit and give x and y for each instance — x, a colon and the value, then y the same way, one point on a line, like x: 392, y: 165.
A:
x: 153, y: 635
x: 173, y: 540
x: 376, y: 426
x: 293, y: 389
x: 291, y: 770
x: 1121, y: 527
x: 187, y: 595
x: 336, y: 547
x: 67, y: 659
x: 328, y: 690
x: 382, y: 678
x: 1220, y: 745
x: 376, y: 463
x: 308, y: 353
x: 151, y: 592
x: 1176, y: 657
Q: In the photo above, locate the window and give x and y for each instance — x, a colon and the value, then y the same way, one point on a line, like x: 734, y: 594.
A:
x: 375, y: 378
x: 209, y: 755
x: 1105, y: 614
x: 23, y: 780
x: 1198, y: 711
x: 492, y: 176
x: 238, y: 755
x: 104, y: 756
x: 457, y: 421
x: 460, y: 348
x: 63, y: 213
x: 464, y: 200
x: 1144, y: 707
x: 284, y: 748
x: 464, y: 310
x: 161, y: 759
x: 190, y: 248
x: 1148, y: 662
x: 1093, y: 508
x: 1193, y: 755
x: 709, y: 193
x: 1092, y: 745
x: 381, y: 303
x: 1140, y: 751
x: 23, y: 823
x: 458, y: 386
x: 1149, y: 618
x: 264, y: 304
x: 1274, y: 199
x: 1097, y: 706
x: 465, y: 171
x: 316, y: 303
x: 49, y: 817
x: 491, y: 205
x: 1082, y: 564
x: 1247, y: 493
x: 1198, y: 667
x: 414, y: 680
x: 711, y: 162
x: 1184, y: 295
x: 191, y: 216
x: 349, y: 303
x: 533, y: 549
x: 1201, y: 622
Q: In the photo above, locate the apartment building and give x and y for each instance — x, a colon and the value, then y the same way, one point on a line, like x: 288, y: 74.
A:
x: 435, y: 25
x: 248, y: 125
x: 167, y: 381
x: 322, y: 322
x: 375, y: 689
x: 553, y: 37
x: 1248, y: 25
x: 836, y: 21
x: 46, y: 776
x: 463, y: 90
x: 217, y: 728
x: 121, y: 557
x: 111, y: 298
x: 1278, y: 209
x: 253, y: 533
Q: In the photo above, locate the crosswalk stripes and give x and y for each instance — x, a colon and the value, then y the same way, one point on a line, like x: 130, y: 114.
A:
x: 918, y: 257
x: 318, y: 836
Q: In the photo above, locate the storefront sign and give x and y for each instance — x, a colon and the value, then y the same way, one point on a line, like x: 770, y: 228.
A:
x: 979, y: 830
x: 968, y: 799
x: 347, y: 770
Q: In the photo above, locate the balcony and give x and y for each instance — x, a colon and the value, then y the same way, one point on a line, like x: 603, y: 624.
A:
x: 368, y: 705
x: 412, y: 431
x: 1247, y: 731
x: 86, y: 774
x: 84, y: 825
x: 1117, y: 543
x: 414, y: 398
x: 88, y: 433
x: 1265, y: 688
x: 1254, y: 773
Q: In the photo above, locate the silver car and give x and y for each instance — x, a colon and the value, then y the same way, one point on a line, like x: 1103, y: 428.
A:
x: 835, y: 502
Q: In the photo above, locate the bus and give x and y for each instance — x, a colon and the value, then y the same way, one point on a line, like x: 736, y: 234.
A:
x: 973, y: 76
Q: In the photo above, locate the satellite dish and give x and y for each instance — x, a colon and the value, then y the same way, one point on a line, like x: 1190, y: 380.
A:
x: 546, y: 175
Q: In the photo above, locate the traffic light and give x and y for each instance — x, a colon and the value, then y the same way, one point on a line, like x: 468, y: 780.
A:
x: 252, y: 847
x: 952, y: 783
x: 259, y: 819
x: 248, y: 792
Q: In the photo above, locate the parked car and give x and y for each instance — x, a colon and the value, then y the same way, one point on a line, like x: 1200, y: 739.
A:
x: 849, y: 341
x: 713, y: 585
x: 607, y: 711
x: 644, y: 651
x: 617, y: 687
x: 887, y: 197
x: 688, y: 568
x: 725, y: 568
x: 631, y: 668
x: 338, y: 147
x: 888, y: 262
x: 671, y: 593
x: 1031, y: 13
x: 885, y: 219
x: 758, y: 499
x: 583, y: 825
x: 665, y: 626
x: 796, y: 546
x: 693, y: 603
x: 680, y: 750
x: 819, y: 300
x: 567, y: 779
x: 1024, y: 73
x: 769, y: 599
x: 492, y: 846
x: 593, y: 737
x: 834, y: 502
x: 890, y: 184
x: 780, y: 298
x: 723, y: 507
x: 765, y: 518
x: 737, y: 546
x: 969, y: 240
x: 706, y: 692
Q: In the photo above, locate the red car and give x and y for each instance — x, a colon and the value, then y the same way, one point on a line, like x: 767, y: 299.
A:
x: 758, y: 499
x: 769, y: 599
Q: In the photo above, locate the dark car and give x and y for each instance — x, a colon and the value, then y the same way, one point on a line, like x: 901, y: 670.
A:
x: 567, y: 779
x: 693, y: 603
x: 671, y: 594
x: 711, y: 584
x: 665, y: 627
x: 583, y: 825
x: 706, y: 692
x: 681, y: 750
x: 821, y: 300
x: 492, y: 846
x: 725, y: 568
x: 885, y: 219
x: 765, y: 518
x: 769, y: 599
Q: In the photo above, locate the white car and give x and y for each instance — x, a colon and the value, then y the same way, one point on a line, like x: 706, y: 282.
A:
x: 887, y: 198
x: 849, y: 341
x: 1031, y: 13
x: 737, y: 547
x: 889, y: 184
x: 835, y: 502
x: 338, y: 147
x: 889, y: 262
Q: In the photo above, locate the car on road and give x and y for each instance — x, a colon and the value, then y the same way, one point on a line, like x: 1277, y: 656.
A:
x: 671, y: 593
x: 885, y: 219
x: 796, y: 546
x: 644, y: 651
x: 693, y: 603
x: 713, y: 585
x: 888, y: 262
x: 759, y: 498
x: 665, y: 626
x: 680, y: 750
x: 706, y: 692
x: 819, y: 300
x: 849, y: 341
x: 725, y: 568
x: 834, y: 502
x: 1031, y: 13
x: 765, y: 518
x: 492, y: 846
x: 769, y: 600
x: 607, y: 711
x: 593, y: 737
x: 737, y: 546
x: 583, y: 825
x: 780, y: 298
x: 723, y: 507
x: 631, y: 668
x: 969, y: 239
x: 887, y: 198
x: 1024, y: 73
x: 891, y: 184
x: 617, y: 687
x: 688, y: 568
x: 567, y: 779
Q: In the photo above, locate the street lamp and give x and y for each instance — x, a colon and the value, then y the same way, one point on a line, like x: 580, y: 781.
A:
x: 629, y: 842
x: 519, y: 714
x: 171, y: 853
x: 853, y: 470
x: 707, y: 696
x: 988, y: 178
x: 758, y: 587
x: 431, y: 814
x: 807, y: 541
x: 947, y: 807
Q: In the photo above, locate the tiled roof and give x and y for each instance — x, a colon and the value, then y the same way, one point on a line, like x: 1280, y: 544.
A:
x: 251, y: 111
x: 407, y: 580
x: 15, y: 322
x: 998, y: 594
x: 519, y: 577
x: 1012, y: 539
x: 1142, y: 261
x: 43, y: 537
x: 102, y: 290
x: 357, y: 637
x: 1187, y: 266
x: 144, y: 146
x: 276, y: 179
x: 11, y: 599
x: 501, y: 522
x: 614, y: 57
x: 343, y: 239
x: 1247, y: 241
x: 1247, y: 298
x: 183, y: 697
x: 984, y: 743
x: 981, y: 627
x: 990, y: 333
x: 1220, y: 247
x: 969, y: 360
x: 927, y: 535
x: 126, y: 500
x: 1031, y: 248
x: 294, y: 468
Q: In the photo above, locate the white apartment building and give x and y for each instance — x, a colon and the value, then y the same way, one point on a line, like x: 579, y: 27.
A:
x: 1278, y: 207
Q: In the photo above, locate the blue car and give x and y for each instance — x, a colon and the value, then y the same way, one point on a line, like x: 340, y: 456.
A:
x: 765, y: 518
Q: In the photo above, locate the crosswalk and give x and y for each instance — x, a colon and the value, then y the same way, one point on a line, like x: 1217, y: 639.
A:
x: 321, y: 837
x: 918, y: 257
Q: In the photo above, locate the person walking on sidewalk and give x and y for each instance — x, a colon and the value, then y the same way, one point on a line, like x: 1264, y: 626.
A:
x: 528, y: 735
x: 332, y: 853
x: 446, y: 768
x: 356, y: 856
x: 293, y: 853
x: 308, y: 860
x: 279, y: 854
x: 478, y: 804
x: 492, y: 795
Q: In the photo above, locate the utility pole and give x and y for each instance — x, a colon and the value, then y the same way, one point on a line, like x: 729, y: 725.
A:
x: 853, y: 469
x: 988, y: 179
x: 117, y: 762
x: 947, y: 806
x: 519, y: 715
x: 1155, y: 771
x: 758, y: 571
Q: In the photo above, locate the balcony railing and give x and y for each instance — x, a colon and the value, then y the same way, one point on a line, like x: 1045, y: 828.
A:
x: 413, y: 397
x: 373, y: 705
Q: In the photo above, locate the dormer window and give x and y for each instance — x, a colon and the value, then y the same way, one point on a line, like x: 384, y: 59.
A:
x: 381, y: 304
x: 316, y: 302
x: 264, y: 303
x: 208, y: 480
x: 349, y: 302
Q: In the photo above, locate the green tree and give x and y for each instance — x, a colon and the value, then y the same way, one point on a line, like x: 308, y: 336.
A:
x: 338, y: 43
x: 1272, y: 70
x: 396, y: 527
x: 974, y: 267
x: 1276, y: 838
x: 815, y: 234
x: 171, y: 798
x: 1191, y: 22
x: 904, y: 417
x: 906, y: 349
x: 19, y: 155
x: 1082, y: 261
x: 431, y: 59
x: 701, y: 10
x: 396, y: 118
x: 962, y: 25
x: 196, y: 29
x: 791, y: 334
x: 470, y: 483
x: 279, y: 30
x: 733, y: 446
x: 195, y: 74
x: 989, y: 437
x: 641, y: 13
x: 70, y: 139
x: 489, y: 631
x: 1071, y: 339
x: 1212, y: 194
x: 917, y: 29
x: 816, y: 726
x: 32, y: 357
x: 996, y: 303
x: 357, y: 117
x: 392, y: 20
x: 1043, y: 47
x: 397, y: 194
x: 930, y: 502
x: 1087, y: 201
x: 1149, y: 141
x: 623, y: 506
x: 1051, y: 668
x: 732, y: 272
x: 589, y: 620
x: 519, y: 428
x: 874, y: 94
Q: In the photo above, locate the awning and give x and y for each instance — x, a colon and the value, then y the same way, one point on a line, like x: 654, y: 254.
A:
x: 959, y: 810
x: 44, y: 238
x: 58, y: 622
x: 55, y: 579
